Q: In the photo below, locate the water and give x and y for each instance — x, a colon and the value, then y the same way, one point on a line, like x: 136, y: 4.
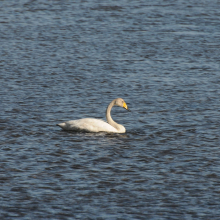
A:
x: 63, y: 60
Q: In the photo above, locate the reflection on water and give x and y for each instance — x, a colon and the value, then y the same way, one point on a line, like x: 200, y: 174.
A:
x: 63, y: 60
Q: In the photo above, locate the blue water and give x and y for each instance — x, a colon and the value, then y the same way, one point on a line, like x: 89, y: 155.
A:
x: 65, y: 60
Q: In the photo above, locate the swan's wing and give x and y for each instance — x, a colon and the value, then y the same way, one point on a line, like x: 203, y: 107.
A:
x: 87, y: 124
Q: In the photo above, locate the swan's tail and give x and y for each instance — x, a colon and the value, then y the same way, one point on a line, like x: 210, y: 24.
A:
x: 61, y: 125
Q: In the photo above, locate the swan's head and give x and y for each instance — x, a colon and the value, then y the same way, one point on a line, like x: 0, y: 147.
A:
x: 120, y: 102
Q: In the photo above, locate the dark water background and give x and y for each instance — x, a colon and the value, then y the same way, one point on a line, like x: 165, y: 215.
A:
x: 63, y: 60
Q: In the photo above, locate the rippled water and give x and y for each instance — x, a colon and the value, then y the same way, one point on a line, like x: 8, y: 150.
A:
x: 63, y: 60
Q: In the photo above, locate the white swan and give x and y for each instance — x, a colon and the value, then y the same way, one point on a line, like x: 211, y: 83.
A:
x: 97, y: 125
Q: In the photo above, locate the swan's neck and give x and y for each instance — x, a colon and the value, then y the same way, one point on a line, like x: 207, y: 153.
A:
x: 118, y: 127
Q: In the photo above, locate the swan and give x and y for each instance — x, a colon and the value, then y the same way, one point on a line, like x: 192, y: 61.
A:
x: 97, y: 125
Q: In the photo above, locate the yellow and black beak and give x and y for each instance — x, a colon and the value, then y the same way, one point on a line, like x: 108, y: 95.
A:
x: 126, y: 107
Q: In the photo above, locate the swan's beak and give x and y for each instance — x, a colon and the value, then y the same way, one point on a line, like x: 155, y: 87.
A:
x: 126, y: 107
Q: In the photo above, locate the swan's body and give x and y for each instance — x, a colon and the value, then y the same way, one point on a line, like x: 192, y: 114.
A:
x: 97, y: 125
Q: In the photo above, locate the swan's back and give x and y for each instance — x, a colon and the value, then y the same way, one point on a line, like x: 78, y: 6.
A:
x: 88, y: 124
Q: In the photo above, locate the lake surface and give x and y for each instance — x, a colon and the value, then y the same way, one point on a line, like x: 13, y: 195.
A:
x: 64, y: 60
